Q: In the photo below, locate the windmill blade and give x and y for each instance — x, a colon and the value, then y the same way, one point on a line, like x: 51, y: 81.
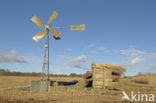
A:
x: 56, y: 38
x: 54, y: 32
x: 40, y: 35
x: 78, y: 27
x: 37, y: 21
x: 52, y: 17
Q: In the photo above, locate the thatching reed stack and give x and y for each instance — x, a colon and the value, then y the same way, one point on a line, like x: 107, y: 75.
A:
x: 104, y: 75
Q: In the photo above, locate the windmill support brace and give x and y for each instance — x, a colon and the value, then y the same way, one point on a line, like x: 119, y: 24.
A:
x: 45, y: 68
x: 44, y: 84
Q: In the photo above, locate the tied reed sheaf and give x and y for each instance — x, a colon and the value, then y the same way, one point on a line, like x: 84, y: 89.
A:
x: 106, y: 75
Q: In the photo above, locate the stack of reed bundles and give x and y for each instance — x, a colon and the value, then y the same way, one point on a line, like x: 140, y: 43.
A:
x: 106, y: 75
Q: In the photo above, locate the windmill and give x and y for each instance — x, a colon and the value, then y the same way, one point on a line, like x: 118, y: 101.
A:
x: 56, y: 34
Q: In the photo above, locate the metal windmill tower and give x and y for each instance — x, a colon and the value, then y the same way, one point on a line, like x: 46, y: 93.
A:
x: 56, y: 34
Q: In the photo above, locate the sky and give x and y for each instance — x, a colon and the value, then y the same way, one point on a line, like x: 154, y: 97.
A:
x: 118, y: 32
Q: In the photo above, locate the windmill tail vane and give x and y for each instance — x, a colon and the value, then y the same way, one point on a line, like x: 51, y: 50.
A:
x: 56, y: 34
x: 53, y: 30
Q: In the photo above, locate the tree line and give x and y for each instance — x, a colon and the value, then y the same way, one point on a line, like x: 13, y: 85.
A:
x: 6, y: 72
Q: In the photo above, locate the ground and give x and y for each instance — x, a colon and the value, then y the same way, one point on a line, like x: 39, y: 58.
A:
x: 15, y: 89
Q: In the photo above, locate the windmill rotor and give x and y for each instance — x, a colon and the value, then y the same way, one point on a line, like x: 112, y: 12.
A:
x: 52, y: 17
x: 40, y: 35
x: 43, y: 32
x: 56, y: 35
x: 53, y: 30
x: 37, y: 21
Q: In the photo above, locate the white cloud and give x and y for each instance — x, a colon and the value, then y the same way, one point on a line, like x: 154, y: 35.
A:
x: 93, y: 51
x: 100, y: 49
x: 103, y: 49
x: 132, y: 57
x: 115, y: 51
x: 12, y: 56
x: 78, y: 62
x: 152, y: 67
x: 90, y: 45
x: 132, y: 62
x: 69, y: 49
x: 66, y: 58
x: 132, y: 52
x: 136, y: 60
x: 58, y: 70
x: 32, y: 58
x: 152, y: 56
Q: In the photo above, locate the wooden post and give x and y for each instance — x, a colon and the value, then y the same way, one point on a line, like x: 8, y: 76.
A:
x: 94, y: 76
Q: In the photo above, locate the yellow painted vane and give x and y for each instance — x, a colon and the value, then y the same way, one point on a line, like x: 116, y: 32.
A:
x: 78, y: 27
x: 37, y: 21
x: 40, y: 35
x: 55, y: 33
x: 52, y: 17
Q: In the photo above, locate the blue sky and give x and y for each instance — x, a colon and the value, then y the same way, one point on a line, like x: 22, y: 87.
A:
x: 120, y: 32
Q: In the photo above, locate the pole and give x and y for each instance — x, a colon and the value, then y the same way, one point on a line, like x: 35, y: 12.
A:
x: 48, y: 56
x: 45, y: 68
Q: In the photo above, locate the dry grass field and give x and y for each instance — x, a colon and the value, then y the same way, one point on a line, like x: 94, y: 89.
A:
x: 15, y: 89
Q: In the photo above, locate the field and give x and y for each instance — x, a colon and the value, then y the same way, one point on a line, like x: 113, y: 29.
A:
x: 15, y: 89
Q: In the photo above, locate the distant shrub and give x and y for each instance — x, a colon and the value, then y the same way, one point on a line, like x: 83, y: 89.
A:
x: 141, y: 81
x: 125, y: 76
